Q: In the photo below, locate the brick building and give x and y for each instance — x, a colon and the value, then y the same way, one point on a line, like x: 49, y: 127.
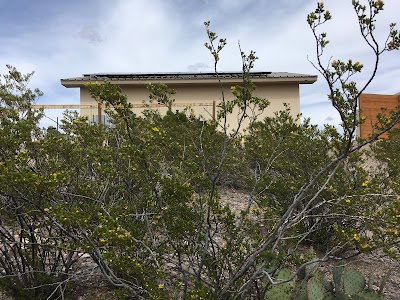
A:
x: 370, y: 106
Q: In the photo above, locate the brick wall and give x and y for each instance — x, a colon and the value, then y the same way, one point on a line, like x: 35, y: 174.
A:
x: 370, y: 106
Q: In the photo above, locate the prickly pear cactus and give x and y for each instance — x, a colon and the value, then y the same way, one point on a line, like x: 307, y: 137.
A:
x: 306, y: 271
x: 348, y: 284
x: 337, y: 272
x: 341, y: 295
x: 353, y: 281
x: 367, y: 295
x: 282, y: 291
x: 315, y: 289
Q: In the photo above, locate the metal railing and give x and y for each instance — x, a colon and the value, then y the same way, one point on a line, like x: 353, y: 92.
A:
x: 53, y: 113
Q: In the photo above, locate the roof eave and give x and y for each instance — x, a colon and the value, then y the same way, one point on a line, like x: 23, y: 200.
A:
x: 82, y: 81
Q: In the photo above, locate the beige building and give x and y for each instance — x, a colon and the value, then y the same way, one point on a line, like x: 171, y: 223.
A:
x: 200, y: 91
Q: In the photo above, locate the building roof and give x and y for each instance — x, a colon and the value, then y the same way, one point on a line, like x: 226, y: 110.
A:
x: 184, y: 78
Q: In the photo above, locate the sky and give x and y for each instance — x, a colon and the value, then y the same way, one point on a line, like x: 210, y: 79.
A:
x: 62, y: 39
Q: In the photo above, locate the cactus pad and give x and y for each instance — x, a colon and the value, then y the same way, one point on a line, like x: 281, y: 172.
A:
x: 282, y: 291
x: 353, y: 281
x: 367, y: 295
x: 315, y: 289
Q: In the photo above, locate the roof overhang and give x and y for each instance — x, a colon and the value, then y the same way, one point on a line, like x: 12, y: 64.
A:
x: 174, y: 79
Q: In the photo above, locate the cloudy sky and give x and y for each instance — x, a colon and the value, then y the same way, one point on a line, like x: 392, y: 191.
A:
x: 61, y: 39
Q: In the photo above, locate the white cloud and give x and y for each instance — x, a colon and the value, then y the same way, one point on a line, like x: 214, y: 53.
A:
x: 90, y: 34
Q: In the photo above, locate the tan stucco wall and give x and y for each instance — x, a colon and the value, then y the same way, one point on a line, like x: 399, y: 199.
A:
x: 196, y: 95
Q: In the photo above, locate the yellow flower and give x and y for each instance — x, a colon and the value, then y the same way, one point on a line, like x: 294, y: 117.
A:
x: 155, y: 129
x: 365, y: 183
x: 348, y: 201
x: 120, y: 105
x: 161, y: 286
x: 356, y: 237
